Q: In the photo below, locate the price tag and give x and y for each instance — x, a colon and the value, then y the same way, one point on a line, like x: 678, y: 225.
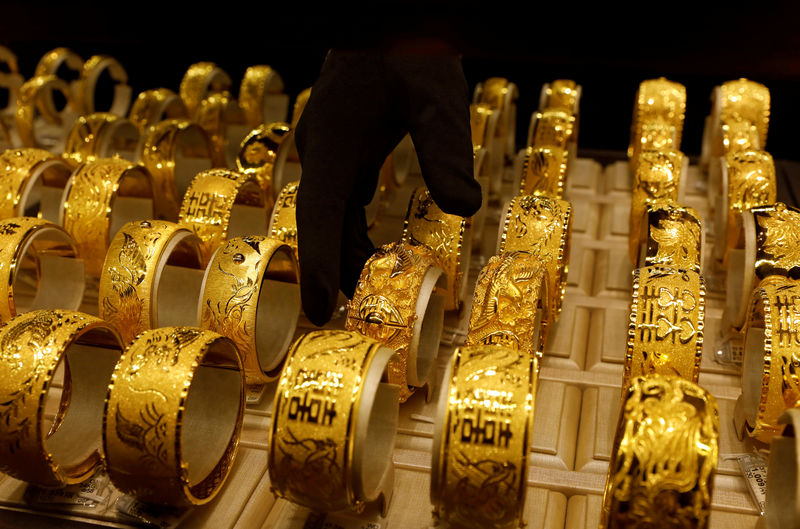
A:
x: 754, y: 469
x: 153, y: 515
x: 90, y: 493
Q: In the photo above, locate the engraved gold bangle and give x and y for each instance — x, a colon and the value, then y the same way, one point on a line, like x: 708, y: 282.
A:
x: 251, y: 295
x: 544, y: 171
x: 220, y: 204
x: 87, y: 84
x: 100, y: 135
x: 35, y: 348
x: 552, y: 128
x: 34, y: 95
x: 174, y: 152
x: 672, y: 235
x: 31, y: 183
x: 216, y: 113
x: 135, y: 266
x: 169, y: 387
x: 665, y: 453
x: 562, y: 94
x: 746, y: 101
x: 153, y: 106
x: 257, y: 82
x: 665, y: 330
x: 395, y: 303
x: 50, y: 63
x: 300, y: 105
x: 334, y: 424
x: 480, y: 448
x: 657, y: 100
x: 199, y: 80
x: 100, y: 197
x: 283, y: 223
x: 541, y: 226
x: 261, y: 155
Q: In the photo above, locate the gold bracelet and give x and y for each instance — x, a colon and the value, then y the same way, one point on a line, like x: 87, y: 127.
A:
x: 395, y: 303
x: 92, y: 205
x: 299, y: 105
x: 11, y: 82
x: 261, y: 156
x: 199, y: 80
x: 481, y: 443
x: 562, y: 94
x: 777, y: 240
x: 748, y: 101
x: 251, y: 295
x: 257, y: 82
x: 87, y: 84
x: 739, y: 136
x: 283, y: 223
x: 128, y: 293
x: 32, y: 96
x: 665, y: 453
x: 552, y: 128
x: 153, y: 106
x: 541, y: 226
x: 169, y: 387
x: 49, y: 64
x: 100, y: 135
x: 661, y: 102
x: 665, y: 329
x: 509, y: 293
x: 544, y: 172
x: 493, y: 92
x: 219, y: 204
x: 215, y: 113
x: 671, y: 236
x: 22, y: 171
x: 334, y: 424
x: 174, y: 152
x: 33, y: 347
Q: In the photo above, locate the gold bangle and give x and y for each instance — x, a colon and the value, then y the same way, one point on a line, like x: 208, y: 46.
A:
x: 541, y: 226
x: 93, y: 205
x: 299, y: 105
x: 671, y: 236
x: 665, y: 329
x: 544, y: 171
x: 481, y: 444
x: 49, y: 64
x: 552, y: 128
x: 24, y: 170
x: 10, y: 81
x: 562, y: 94
x: 34, y: 346
x: 739, y: 136
x: 510, y: 290
x: 261, y: 156
x: 777, y: 240
x: 665, y: 453
x: 153, y: 106
x: 480, y: 118
x: 657, y: 100
x: 100, y: 135
x: 87, y: 84
x: 448, y: 236
x: 283, y: 223
x: 219, y: 204
x: 199, y: 80
x: 32, y: 96
x: 129, y: 288
x: 748, y: 101
x: 250, y: 295
x: 174, y: 152
x: 334, y: 424
x: 214, y: 114
x: 257, y: 82
x: 493, y: 92
x: 170, y: 385
x: 395, y: 303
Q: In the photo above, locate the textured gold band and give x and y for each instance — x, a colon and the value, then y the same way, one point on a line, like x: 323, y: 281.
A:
x: 153, y: 106
x: 777, y: 229
x: 562, y: 94
x: 215, y: 113
x: 283, y: 224
x: 87, y: 84
x: 199, y: 80
x: 33, y: 95
x: 544, y: 172
x: 552, y: 128
x: 671, y: 236
x: 260, y: 156
x: 21, y: 172
x: 258, y: 81
x: 746, y: 101
x: 93, y: 136
x: 658, y: 115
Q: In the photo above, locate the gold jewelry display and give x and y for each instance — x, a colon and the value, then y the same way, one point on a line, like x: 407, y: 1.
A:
x: 31, y: 183
x: 672, y: 236
x: 562, y: 94
x: 544, y: 171
x: 174, y: 152
x: 664, y: 458
x: 665, y: 332
x: 87, y: 84
x: 153, y: 106
x: 261, y: 156
x: 541, y: 226
x: 394, y: 303
x: 33, y: 95
x: 100, y: 135
x: 100, y: 197
x: 662, y: 102
x: 334, y: 424
x: 129, y: 293
x: 509, y: 292
x: 257, y: 82
x: 746, y: 101
x: 219, y: 204
x: 33, y: 347
x: 283, y: 223
x: 251, y: 295
x: 300, y: 105
x: 217, y: 113
x: 481, y: 443
x: 171, y: 385
x: 49, y: 64
x: 739, y: 136
x: 480, y: 117
x: 552, y: 128
x: 199, y: 80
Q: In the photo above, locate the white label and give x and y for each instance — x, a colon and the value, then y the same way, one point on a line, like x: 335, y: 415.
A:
x: 157, y: 516
x: 754, y: 469
x: 89, y: 494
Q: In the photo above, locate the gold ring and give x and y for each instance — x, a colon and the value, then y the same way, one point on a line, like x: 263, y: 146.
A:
x: 31, y: 183
x: 665, y: 329
x: 261, y: 155
x: 258, y: 82
x: 35, y: 349
x: 334, y: 424
x: 153, y: 106
x: 663, y: 103
x: 481, y: 443
x: 100, y: 197
x: 219, y: 204
x: 34, y: 95
x: 395, y: 303
x: 170, y: 385
x: 87, y: 84
x: 544, y: 171
x: 199, y: 80
x: 552, y: 128
x: 138, y: 275
x: 561, y: 94
x: 251, y: 295
x: 300, y: 105
x: 100, y: 135
x: 672, y: 236
x: 49, y: 64
x: 746, y: 101
x: 283, y: 223
x: 665, y: 452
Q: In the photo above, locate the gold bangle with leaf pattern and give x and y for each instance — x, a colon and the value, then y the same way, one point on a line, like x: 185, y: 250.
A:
x: 777, y: 229
x: 21, y: 171
x: 153, y: 106
x: 200, y: 79
x: 671, y: 236
x: 257, y: 82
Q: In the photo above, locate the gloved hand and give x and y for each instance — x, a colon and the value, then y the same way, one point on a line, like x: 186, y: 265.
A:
x: 361, y: 106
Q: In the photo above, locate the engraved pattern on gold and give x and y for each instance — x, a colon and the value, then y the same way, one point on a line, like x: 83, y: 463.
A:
x: 562, y: 94
x: 284, y: 222
x: 151, y: 105
x: 212, y: 115
x: 259, y: 152
x: 673, y: 236
x: 751, y: 183
x: 195, y: 84
x: 658, y: 115
x: 553, y: 128
x: 479, y: 115
x: 257, y: 81
x: 778, y: 240
x: 83, y: 140
x: 746, y: 101
x: 16, y: 166
x: 544, y: 171
x: 739, y: 136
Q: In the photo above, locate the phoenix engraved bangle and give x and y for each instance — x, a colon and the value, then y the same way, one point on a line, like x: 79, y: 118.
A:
x: 258, y: 81
x: 672, y: 235
x: 199, y: 80
x: 100, y: 135
x: 153, y: 106
x: 30, y: 174
x: 87, y: 85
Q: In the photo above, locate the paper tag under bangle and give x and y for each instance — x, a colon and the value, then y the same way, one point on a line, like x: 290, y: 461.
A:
x: 153, y: 515
x: 754, y: 469
x: 90, y: 493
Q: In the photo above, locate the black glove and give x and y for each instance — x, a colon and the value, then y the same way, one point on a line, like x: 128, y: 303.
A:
x: 361, y: 106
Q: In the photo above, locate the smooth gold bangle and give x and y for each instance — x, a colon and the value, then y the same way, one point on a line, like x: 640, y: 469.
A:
x: 261, y: 156
x: 49, y: 64
x: 174, y: 152
x: 32, y: 96
x: 334, y: 424
x: 746, y: 101
x: 395, y: 303
x: 299, y: 105
x: 672, y: 236
x: 99, y: 197
x: 100, y: 135
x: 220, y: 204
x: 258, y: 81
x: 34, y: 347
x: 283, y: 223
x: 31, y: 183
x: 171, y: 385
x: 541, y: 226
x: 544, y: 171
x: 561, y: 94
x: 665, y: 453
x: 665, y: 330
x: 199, y: 80
x: 251, y: 295
x: 135, y: 269
x: 552, y: 128
x: 481, y: 443
x: 87, y: 84
x: 657, y: 100
x: 153, y: 106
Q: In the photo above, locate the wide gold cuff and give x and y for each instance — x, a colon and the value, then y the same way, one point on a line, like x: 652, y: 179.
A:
x: 34, y: 95
x: 199, y: 80
x: 395, y: 303
x: 258, y: 81
x: 87, y: 84
x: 100, y: 135
x: 481, y: 443
x: 251, y: 295
x: 665, y: 452
x: 544, y: 172
x: 672, y: 235
x: 171, y: 385
x: 746, y: 101
x: 334, y: 424
x: 35, y: 348
x: 153, y: 106
x: 31, y: 183
x: 261, y: 156
x: 283, y: 223
x: 661, y: 103
x: 561, y: 94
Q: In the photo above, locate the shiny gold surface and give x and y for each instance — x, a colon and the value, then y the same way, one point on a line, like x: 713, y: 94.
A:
x: 553, y: 128
x: 33, y: 95
x: 299, y: 105
x: 17, y: 166
x: 50, y: 61
x: 258, y: 81
x: 87, y: 84
x: 746, y: 101
x: 200, y: 79
x: 562, y: 94
x: 663, y: 103
x: 212, y: 114
x: 544, y: 172
x: 83, y: 140
x: 740, y: 136
x: 777, y: 240
x: 673, y: 236
x: 479, y: 115
x: 258, y: 155
x: 152, y: 106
